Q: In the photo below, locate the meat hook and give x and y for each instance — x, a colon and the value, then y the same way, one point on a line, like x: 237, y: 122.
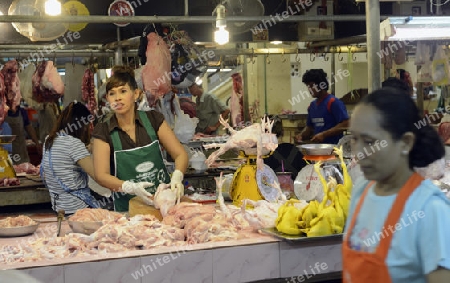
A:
x: 267, y: 57
x: 297, y: 57
x: 312, y: 57
x: 325, y: 58
x: 283, y: 58
x: 339, y: 55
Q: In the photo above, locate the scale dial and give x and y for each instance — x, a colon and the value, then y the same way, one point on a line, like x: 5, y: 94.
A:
x: 307, y: 185
x: 265, y: 178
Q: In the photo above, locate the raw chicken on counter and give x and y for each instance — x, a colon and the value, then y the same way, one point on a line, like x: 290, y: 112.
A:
x: 259, y: 135
x: 95, y: 214
x: 18, y: 221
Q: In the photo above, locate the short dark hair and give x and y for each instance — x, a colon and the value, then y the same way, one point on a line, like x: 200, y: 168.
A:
x: 121, y: 75
x: 400, y: 115
x: 316, y: 76
x: 396, y: 83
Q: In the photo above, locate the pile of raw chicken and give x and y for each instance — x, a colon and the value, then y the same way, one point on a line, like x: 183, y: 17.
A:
x: 18, y: 221
x: 319, y: 218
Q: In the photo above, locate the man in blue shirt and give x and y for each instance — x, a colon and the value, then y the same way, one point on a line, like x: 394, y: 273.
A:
x: 5, y: 130
x: 327, y: 115
x: 17, y: 119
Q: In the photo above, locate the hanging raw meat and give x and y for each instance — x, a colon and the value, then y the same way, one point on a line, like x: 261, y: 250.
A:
x: 237, y: 100
x: 3, y: 106
x: 88, y: 91
x: 11, y: 83
x: 47, y: 83
x: 156, y: 76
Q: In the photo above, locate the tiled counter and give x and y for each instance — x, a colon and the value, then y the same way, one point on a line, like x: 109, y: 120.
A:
x: 255, y: 258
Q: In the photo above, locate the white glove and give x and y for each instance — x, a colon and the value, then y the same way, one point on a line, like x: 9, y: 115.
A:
x: 139, y: 190
x: 176, y: 184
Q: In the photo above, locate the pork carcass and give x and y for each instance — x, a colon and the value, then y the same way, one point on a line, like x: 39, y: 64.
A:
x: 12, y: 83
x: 27, y: 168
x: 47, y: 83
x: 259, y: 135
x: 237, y: 101
x: 88, y: 91
x: 3, y: 106
x: 156, y: 75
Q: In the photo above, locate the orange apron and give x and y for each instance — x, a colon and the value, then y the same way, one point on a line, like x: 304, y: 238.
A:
x: 371, y: 267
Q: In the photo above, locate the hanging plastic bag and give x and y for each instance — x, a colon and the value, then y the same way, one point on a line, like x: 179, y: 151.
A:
x: 423, y: 53
x: 184, y: 125
x: 440, y: 67
x: 424, y: 74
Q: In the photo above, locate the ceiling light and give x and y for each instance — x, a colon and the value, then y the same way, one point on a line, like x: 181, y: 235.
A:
x: 276, y: 42
x: 221, y: 35
x: 414, y: 28
x: 211, y: 70
x: 226, y: 70
x: 52, y: 7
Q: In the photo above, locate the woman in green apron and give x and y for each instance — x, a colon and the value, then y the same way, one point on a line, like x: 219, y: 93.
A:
x: 127, y: 155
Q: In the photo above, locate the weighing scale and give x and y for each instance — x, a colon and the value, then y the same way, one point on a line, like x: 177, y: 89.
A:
x: 250, y: 183
x: 6, y: 167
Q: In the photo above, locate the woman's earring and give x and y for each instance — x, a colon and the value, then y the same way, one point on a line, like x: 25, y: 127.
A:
x: 405, y: 152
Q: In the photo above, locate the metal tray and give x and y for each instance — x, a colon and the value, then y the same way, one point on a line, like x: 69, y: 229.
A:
x: 316, y: 149
x: 5, y: 139
x: 19, y: 231
x: 303, y: 239
x: 85, y: 227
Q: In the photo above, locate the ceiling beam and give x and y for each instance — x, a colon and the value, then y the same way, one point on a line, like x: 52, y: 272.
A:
x: 270, y: 20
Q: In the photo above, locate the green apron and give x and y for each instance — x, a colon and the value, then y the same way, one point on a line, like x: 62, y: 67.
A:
x: 140, y: 164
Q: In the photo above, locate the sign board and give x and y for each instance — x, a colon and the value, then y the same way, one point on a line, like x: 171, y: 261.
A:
x: 260, y: 35
x: 121, y: 8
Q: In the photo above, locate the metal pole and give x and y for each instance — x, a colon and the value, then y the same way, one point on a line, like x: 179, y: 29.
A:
x: 373, y: 44
x: 333, y: 70
x: 246, y: 82
x: 96, y: 19
x: 118, y: 53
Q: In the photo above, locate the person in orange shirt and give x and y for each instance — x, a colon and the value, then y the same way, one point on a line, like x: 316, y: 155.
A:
x: 398, y: 224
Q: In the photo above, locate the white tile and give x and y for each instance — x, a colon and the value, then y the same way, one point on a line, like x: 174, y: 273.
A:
x: 298, y: 260
x: 246, y: 263
x: 108, y: 271
x: 48, y: 274
x: 191, y: 266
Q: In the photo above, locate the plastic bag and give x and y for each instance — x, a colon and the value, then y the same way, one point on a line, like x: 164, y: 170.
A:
x: 197, y: 161
x: 424, y: 74
x: 440, y: 67
x: 423, y: 53
x: 185, y: 126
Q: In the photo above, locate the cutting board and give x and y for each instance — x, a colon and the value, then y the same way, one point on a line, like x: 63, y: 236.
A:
x: 137, y: 206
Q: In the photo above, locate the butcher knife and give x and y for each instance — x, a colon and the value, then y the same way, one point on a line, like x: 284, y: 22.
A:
x: 61, y: 214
